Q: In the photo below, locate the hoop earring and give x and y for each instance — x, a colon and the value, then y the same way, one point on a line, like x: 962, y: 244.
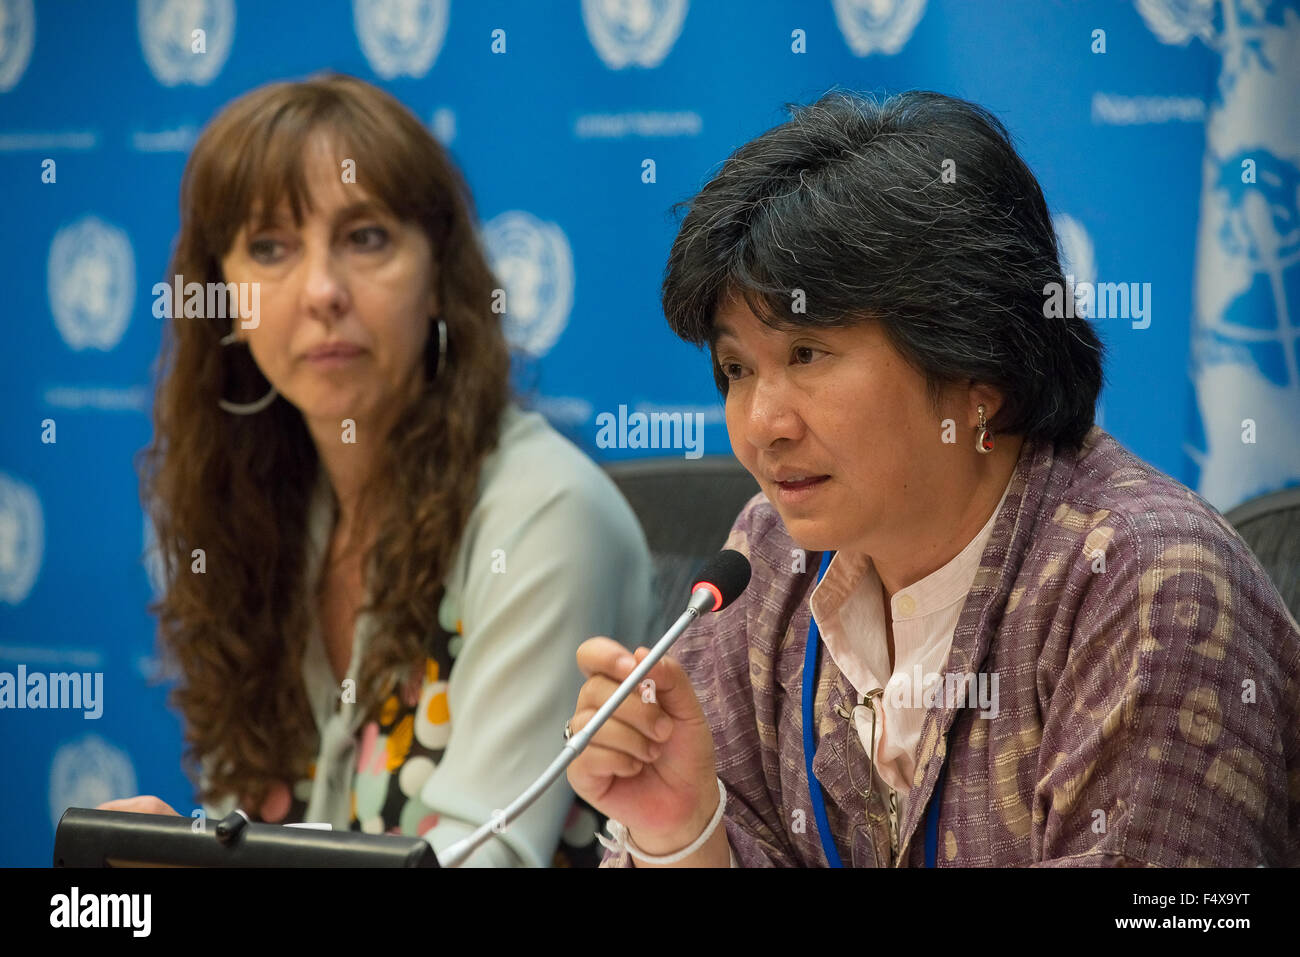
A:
x: 983, y: 436
x: 245, y: 408
x: 442, y: 349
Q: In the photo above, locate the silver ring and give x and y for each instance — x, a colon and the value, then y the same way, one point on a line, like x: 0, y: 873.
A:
x: 568, y: 732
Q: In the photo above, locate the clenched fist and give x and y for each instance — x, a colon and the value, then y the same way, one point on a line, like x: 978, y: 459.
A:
x: 651, y: 765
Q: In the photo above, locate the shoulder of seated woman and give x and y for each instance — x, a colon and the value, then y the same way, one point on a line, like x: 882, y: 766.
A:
x: 1145, y: 510
x: 533, y: 464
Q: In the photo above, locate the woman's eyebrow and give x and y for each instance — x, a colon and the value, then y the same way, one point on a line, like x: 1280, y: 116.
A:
x: 275, y: 217
x: 721, y: 331
x: 280, y: 216
x: 365, y: 207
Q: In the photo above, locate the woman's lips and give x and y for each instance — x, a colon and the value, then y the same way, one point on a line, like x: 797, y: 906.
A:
x: 333, y: 355
x: 796, y: 492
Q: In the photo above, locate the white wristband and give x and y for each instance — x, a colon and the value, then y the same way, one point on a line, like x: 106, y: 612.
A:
x: 620, y: 841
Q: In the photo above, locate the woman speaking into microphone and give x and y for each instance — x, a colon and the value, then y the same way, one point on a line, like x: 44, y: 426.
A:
x: 979, y: 631
x: 377, y: 566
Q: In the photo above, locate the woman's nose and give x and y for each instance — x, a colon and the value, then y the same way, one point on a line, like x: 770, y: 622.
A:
x: 325, y: 291
x: 771, y: 416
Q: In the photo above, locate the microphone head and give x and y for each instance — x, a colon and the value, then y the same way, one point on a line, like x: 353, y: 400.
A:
x: 726, y: 575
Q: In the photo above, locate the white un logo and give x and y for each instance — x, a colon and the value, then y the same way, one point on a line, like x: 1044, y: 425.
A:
x: 186, y: 41
x: 152, y: 559
x: 17, y: 34
x: 22, y: 538
x: 877, y: 26
x: 1177, y: 21
x: 533, y: 260
x: 400, y: 37
x: 633, y: 32
x: 1078, y: 258
x: 1246, y: 352
x: 86, y: 773
x: 91, y: 275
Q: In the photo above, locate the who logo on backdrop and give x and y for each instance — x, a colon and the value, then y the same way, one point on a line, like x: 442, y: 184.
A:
x: 534, y: 262
x: 877, y: 26
x: 91, y: 283
x: 633, y: 32
x: 22, y: 538
x: 86, y: 773
x: 1246, y: 333
x: 400, y: 37
x: 186, y: 41
x: 17, y: 37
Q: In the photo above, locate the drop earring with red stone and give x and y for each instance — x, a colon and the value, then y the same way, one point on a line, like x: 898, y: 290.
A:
x: 983, y: 436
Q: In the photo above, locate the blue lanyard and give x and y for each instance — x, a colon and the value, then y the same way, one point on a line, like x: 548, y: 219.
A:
x: 810, y: 659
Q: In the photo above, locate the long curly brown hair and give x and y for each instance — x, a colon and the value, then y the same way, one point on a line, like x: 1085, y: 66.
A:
x: 238, y: 487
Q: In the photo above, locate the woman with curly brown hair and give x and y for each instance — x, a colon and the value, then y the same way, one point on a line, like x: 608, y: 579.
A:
x: 378, y: 568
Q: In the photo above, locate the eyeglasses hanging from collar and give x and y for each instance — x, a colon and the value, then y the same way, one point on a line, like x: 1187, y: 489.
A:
x: 890, y: 801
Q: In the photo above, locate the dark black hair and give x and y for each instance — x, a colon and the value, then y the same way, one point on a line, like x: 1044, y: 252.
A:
x: 848, y: 201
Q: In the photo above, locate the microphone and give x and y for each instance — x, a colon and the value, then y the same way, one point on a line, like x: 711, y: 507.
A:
x: 722, y: 580
x: 725, y: 577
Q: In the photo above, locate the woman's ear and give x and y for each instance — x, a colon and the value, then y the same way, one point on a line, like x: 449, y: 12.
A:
x: 434, y: 302
x: 987, y: 396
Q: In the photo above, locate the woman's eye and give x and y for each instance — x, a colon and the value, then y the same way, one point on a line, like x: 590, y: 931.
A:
x: 377, y: 235
x: 732, y: 370
x: 262, y: 249
x: 805, y: 354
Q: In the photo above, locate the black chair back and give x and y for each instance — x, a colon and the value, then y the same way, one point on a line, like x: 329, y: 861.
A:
x: 1270, y: 525
x: 687, y: 508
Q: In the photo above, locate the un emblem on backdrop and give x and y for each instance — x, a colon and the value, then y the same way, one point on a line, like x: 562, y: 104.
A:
x: 152, y: 559
x: 86, y: 773
x: 17, y: 34
x: 533, y: 260
x: 91, y: 274
x: 1078, y: 258
x: 22, y: 538
x: 173, y: 46
x: 400, y: 37
x: 877, y: 26
x: 1245, y: 351
x: 1177, y: 21
x: 633, y: 32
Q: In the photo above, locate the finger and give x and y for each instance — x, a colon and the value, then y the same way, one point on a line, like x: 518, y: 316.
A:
x: 669, y: 686
x: 634, y: 710
x: 123, y: 804
x: 601, y: 655
x: 603, y: 762
x: 619, y: 736
x: 606, y: 656
x: 141, y: 804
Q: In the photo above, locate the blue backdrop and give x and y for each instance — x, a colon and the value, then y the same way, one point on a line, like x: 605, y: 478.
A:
x: 1165, y: 133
